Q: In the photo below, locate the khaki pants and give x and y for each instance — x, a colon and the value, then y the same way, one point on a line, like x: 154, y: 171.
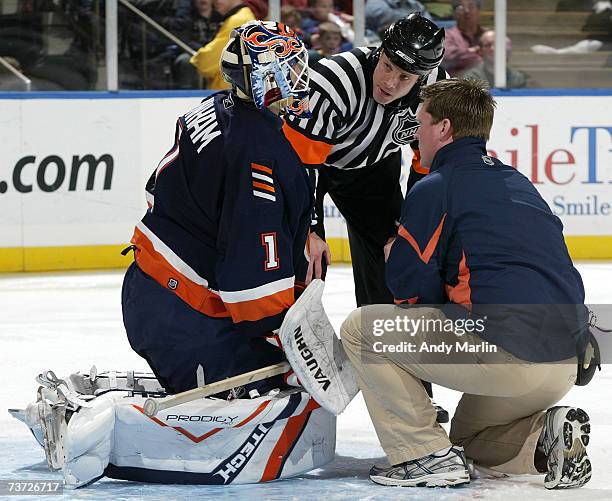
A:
x: 501, y: 413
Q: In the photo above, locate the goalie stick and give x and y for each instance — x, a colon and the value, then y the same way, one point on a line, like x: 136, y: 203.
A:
x: 154, y: 405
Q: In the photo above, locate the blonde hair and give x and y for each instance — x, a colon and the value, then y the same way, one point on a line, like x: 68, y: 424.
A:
x: 466, y: 103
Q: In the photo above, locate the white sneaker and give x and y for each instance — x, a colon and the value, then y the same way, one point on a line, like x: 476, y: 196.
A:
x: 441, y: 469
x: 565, y: 437
x: 477, y: 471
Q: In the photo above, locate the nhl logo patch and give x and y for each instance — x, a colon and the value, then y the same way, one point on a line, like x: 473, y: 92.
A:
x: 172, y: 283
x: 405, y: 129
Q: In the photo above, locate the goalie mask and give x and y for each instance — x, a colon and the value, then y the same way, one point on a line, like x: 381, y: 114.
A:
x: 267, y: 63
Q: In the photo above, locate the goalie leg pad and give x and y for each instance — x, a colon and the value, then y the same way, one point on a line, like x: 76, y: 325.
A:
x: 315, y: 352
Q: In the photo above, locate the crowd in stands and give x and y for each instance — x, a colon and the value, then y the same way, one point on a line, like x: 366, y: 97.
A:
x: 326, y: 28
x: 150, y: 60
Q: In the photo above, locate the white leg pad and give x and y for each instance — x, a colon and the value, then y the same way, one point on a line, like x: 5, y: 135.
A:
x: 88, y: 441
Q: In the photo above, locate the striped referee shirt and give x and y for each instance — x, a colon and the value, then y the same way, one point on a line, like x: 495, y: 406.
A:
x: 348, y: 128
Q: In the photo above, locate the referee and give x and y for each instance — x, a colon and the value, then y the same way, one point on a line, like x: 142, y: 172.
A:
x: 364, y: 105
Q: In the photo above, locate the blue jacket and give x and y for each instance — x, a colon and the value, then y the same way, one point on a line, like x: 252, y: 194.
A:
x: 229, y: 210
x: 476, y: 232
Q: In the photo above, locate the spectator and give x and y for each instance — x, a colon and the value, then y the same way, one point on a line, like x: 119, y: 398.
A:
x: 329, y: 42
x: 461, y: 45
x: 234, y: 13
x: 202, y: 26
x: 319, y: 11
x: 259, y: 8
x: 300, y: 5
x: 146, y: 55
x: 174, y: 16
x: 485, y: 70
x: 292, y: 18
x: 381, y: 13
x: 322, y: 11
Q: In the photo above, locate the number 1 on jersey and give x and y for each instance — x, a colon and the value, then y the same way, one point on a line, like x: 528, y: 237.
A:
x: 272, y: 262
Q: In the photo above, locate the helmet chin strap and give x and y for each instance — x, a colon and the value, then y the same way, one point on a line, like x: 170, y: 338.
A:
x: 242, y: 95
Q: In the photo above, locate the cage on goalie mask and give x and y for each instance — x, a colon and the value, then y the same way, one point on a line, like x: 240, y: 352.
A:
x: 265, y: 62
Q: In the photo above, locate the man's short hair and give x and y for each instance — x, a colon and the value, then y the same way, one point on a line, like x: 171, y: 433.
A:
x: 466, y: 103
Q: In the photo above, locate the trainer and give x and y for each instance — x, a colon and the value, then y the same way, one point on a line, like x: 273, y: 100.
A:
x: 477, y: 239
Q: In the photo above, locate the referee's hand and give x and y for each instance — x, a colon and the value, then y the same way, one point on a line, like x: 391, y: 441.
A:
x: 318, y: 250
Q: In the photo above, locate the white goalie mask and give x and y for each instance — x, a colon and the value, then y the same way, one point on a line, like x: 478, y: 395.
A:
x: 267, y: 63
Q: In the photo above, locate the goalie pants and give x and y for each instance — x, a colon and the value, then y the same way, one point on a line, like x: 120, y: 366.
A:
x: 500, y: 415
x: 174, y: 338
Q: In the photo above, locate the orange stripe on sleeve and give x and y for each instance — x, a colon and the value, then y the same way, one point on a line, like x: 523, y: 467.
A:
x: 256, y: 309
x: 461, y: 293
x: 416, y: 163
x: 310, y: 152
x: 262, y: 168
x: 263, y: 186
x: 431, y: 245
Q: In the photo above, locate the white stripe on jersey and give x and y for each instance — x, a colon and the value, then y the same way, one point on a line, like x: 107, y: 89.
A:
x: 373, y: 125
x: 168, y: 254
x: 263, y: 177
x: 330, y: 90
x: 261, y: 194
x: 351, y: 58
x: 341, y: 74
x: 312, y: 103
x: 150, y: 198
x: 173, y: 153
x: 257, y: 292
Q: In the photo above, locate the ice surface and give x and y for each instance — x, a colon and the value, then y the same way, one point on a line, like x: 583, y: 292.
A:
x: 70, y: 321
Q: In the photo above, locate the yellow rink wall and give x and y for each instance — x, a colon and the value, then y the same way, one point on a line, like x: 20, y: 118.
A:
x: 73, y: 168
x: 109, y: 256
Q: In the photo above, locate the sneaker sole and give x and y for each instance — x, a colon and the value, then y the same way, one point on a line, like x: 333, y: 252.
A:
x: 574, y: 469
x: 434, y: 480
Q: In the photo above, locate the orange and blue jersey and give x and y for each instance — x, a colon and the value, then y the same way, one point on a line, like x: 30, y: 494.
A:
x: 476, y: 232
x: 229, y: 209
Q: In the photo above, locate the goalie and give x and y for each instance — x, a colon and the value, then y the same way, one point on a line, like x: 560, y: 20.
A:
x: 216, y: 260
x: 219, y: 249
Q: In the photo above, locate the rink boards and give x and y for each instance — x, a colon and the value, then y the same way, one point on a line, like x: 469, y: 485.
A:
x: 74, y: 167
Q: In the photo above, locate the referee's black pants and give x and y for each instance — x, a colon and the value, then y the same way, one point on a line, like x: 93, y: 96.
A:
x: 370, y: 200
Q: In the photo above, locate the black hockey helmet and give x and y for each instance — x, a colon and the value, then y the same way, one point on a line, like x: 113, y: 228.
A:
x: 415, y: 44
